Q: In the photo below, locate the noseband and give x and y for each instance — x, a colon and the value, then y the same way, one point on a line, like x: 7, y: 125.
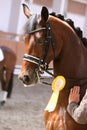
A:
x: 42, y: 65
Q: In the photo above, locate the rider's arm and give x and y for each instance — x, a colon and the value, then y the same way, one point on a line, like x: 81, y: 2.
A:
x: 79, y: 112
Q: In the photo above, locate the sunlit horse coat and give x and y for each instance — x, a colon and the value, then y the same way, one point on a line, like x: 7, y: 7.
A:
x: 79, y: 112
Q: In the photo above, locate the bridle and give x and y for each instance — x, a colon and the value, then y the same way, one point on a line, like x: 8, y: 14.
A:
x: 42, y: 65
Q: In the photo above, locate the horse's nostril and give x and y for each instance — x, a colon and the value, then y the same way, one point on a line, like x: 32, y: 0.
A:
x: 26, y: 78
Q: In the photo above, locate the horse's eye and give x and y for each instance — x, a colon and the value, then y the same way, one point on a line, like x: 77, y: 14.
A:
x: 39, y: 41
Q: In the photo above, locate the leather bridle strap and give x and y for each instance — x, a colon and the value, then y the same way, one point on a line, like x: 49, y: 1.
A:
x: 34, y: 60
x: 37, y: 30
x: 37, y: 61
x: 47, y: 42
x: 31, y: 58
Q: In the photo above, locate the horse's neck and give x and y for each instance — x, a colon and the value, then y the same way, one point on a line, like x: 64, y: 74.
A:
x: 72, y: 58
x: 65, y: 35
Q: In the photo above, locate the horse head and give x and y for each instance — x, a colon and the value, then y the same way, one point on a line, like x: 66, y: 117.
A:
x: 39, y: 47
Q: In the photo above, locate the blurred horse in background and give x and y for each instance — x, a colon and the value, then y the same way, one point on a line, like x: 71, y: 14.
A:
x: 7, y: 64
x: 47, y: 38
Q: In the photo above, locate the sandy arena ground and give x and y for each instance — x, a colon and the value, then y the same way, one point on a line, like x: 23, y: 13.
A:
x: 24, y: 110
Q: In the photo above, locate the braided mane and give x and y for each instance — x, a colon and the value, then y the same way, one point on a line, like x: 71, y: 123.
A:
x: 71, y: 23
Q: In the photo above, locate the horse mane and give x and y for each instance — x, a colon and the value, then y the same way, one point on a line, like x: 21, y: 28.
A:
x: 78, y: 30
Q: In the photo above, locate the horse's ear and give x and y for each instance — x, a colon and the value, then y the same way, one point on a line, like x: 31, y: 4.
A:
x: 26, y: 11
x: 44, y: 14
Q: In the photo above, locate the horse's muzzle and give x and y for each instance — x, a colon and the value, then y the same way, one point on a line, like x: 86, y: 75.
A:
x: 29, y: 79
x: 25, y: 79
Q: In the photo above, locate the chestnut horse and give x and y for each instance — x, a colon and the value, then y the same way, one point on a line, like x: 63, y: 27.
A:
x: 7, y: 65
x: 50, y: 38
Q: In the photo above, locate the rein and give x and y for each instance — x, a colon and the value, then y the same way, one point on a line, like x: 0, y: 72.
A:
x: 42, y: 65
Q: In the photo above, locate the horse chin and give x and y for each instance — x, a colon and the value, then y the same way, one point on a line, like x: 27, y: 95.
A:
x: 30, y: 85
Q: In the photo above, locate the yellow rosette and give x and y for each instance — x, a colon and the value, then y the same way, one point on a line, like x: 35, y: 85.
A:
x: 57, y: 85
